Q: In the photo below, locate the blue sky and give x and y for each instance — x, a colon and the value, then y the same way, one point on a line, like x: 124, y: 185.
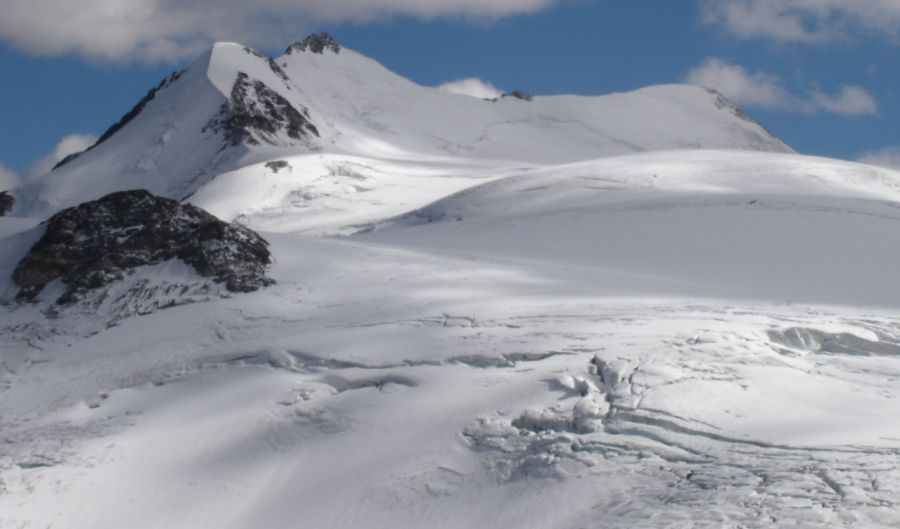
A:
x: 821, y: 75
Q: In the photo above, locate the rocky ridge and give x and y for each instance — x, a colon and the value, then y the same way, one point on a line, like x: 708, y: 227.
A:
x: 127, y: 118
x: 317, y: 43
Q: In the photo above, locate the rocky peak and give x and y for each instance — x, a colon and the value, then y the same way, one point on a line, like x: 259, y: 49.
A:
x: 99, y: 242
x: 317, y: 43
x: 256, y: 112
x: 7, y: 201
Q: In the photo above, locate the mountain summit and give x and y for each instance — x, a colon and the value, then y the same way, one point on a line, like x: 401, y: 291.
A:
x: 236, y: 106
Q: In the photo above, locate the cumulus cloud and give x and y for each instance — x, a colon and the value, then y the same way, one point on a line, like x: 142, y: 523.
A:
x: 472, y: 87
x: 752, y: 89
x: 154, y: 30
x: 70, y: 144
x: 764, y: 90
x: 8, y: 178
x: 887, y: 157
x: 804, y: 21
x: 850, y: 101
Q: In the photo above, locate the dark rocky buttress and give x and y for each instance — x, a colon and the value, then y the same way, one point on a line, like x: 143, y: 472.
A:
x: 7, y: 201
x: 96, y: 243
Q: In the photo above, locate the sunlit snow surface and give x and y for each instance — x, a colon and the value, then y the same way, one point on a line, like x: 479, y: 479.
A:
x: 669, y: 339
x: 612, y: 351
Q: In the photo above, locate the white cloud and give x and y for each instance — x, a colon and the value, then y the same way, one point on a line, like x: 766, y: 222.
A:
x: 154, y: 30
x: 764, y: 90
x: 851, y: 101
x: 70, y: 144
x: 8, y: 178
x: 472, y: 87
x: 887, y: 157
x: 757, y: 89
x: 805, y: 21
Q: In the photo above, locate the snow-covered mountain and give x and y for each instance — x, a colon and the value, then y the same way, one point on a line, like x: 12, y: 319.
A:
x: 636, y: 310
x: 236, y: 107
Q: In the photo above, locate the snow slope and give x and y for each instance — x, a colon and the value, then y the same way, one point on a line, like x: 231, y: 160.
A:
x: 519, y: 333
x: 737, y: 225
x: 375, y: 386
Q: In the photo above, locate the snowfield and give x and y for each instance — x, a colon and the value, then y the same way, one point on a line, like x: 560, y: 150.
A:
x: 514, y: 334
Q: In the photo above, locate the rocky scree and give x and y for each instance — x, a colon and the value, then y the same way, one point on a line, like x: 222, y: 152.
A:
x: 96, y: 243
x: 317, y: 43
x: 256, y: 112
x: 7, y: 201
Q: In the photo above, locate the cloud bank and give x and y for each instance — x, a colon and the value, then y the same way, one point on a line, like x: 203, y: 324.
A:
x: 767, y: 91
x: 472, y: 87
x: 161, y: 30
x: 803, y: 21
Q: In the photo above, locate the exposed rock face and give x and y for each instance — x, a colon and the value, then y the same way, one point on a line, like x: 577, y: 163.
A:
x: 315, y: 43
x: 723, y: 102
x: 256, y: 112
x: 126, y: 119
x: 7, y: 201
x: 96, y: 243
x: 277, y: 165
x: 516, y: 94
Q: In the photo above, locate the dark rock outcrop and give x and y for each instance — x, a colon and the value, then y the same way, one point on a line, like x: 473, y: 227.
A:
x: 516, y: 94
x: 277, y: 165
x: 255, y: 110
x: 317, y: 43
x: 723, y: 102
x: 7, y: 201
x: 96, y: 243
